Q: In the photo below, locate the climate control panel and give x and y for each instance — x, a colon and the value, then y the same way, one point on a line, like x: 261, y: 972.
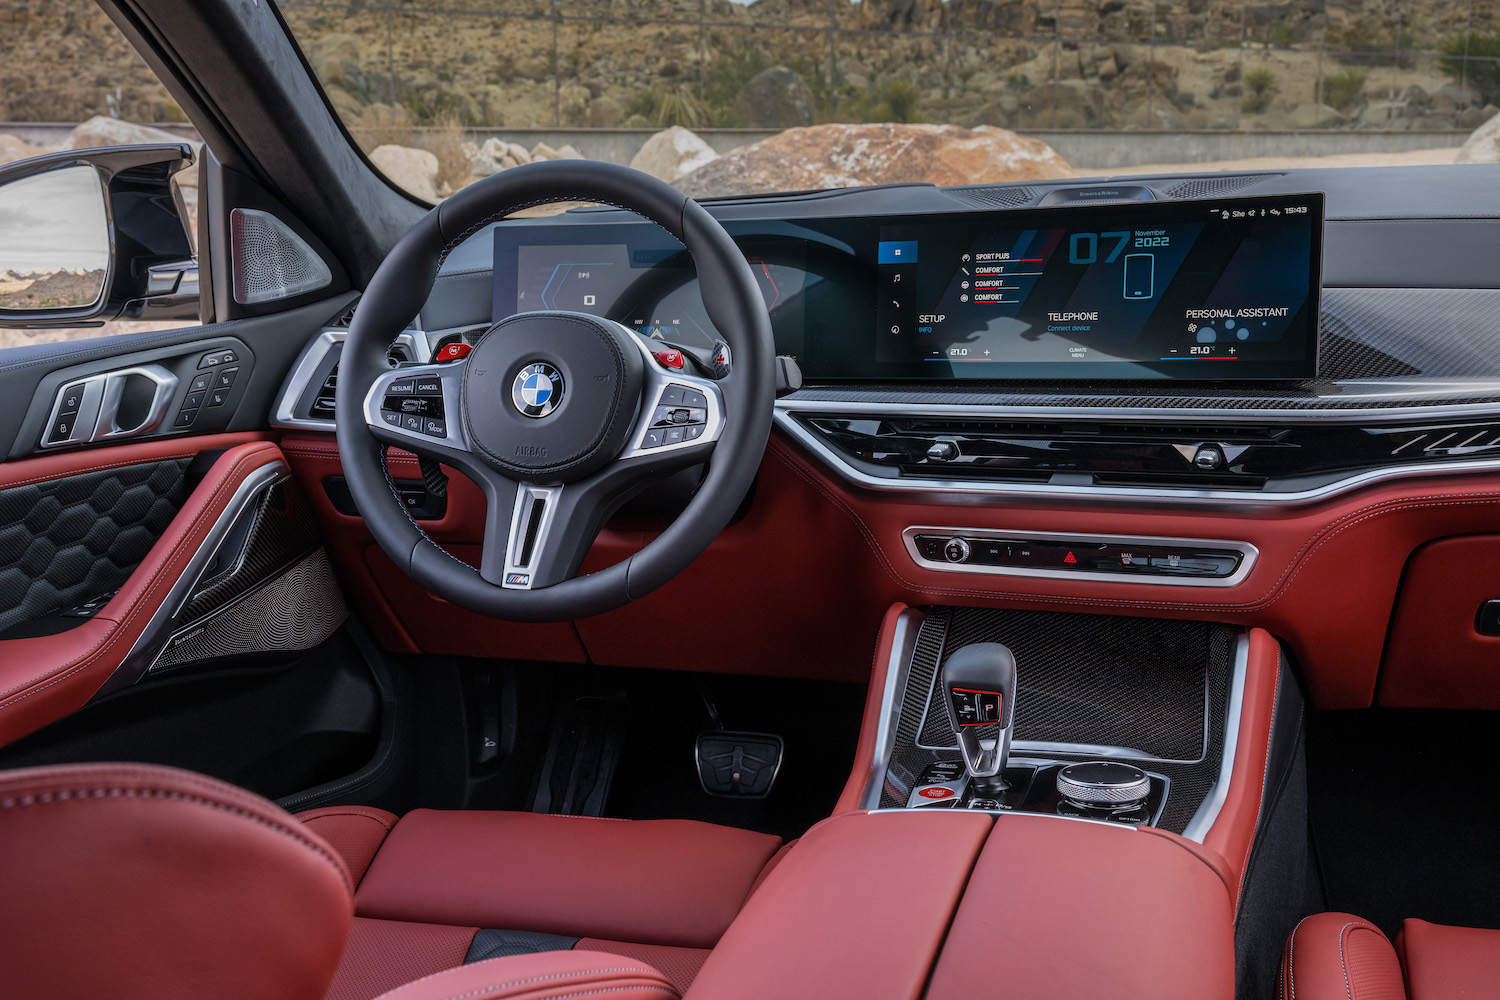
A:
x: 1117, y: 558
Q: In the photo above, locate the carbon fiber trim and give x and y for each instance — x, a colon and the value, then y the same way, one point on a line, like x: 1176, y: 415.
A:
x: 281, y: 530
x: 296, y: 610
x: 65, y: 541
x: 1159, y: 687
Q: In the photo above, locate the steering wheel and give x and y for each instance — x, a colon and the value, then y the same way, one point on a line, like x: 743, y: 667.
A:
x: 558, y: 417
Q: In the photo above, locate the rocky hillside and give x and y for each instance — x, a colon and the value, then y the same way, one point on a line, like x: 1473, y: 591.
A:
x: 1190, y: 64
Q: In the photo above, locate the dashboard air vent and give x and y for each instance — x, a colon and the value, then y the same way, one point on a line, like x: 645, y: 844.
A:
x: 346, y: 317
x: 995, y: 197
x: 1214, y: 187
x: 322, y: 404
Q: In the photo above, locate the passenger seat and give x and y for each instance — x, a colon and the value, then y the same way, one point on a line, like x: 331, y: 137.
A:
x: 437, y: 890
x: 1336, y: 956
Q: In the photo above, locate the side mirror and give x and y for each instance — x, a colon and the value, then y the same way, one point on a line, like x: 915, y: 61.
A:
x: 89, y: 235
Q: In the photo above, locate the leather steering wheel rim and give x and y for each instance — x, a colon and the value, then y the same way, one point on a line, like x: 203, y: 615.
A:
x: 402, y: 285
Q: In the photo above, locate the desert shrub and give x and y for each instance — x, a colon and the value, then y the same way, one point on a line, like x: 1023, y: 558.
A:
x: 1473, y: 59
x: 1260, y: 85
x: 680, y: 106
x: 446, y: 141
x: 382, y: 125
x: 1340, y: 89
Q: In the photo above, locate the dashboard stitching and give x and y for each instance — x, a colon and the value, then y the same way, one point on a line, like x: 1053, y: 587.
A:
x: 1293, y: 568
x: 67, y: 473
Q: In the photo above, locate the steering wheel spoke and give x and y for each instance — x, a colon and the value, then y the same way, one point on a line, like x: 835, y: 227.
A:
x: 681, y: 416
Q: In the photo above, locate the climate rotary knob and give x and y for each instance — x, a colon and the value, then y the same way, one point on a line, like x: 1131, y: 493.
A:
x: 1100, y: 784
x: 957, y: 550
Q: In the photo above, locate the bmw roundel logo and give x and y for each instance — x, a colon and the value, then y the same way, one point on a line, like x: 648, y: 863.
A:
x: 537, y: 390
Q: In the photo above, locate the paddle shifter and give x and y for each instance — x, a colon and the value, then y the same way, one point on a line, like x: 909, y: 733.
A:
x: 979, y: 683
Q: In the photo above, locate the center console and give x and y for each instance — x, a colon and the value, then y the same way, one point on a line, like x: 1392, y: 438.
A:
x: 1124, y: 720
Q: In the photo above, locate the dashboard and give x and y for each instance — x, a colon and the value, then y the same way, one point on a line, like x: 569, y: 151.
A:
x: 1220, y: 289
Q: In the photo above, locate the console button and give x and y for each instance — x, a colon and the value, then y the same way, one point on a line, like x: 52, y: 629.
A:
x: 1191, y: 563
x: 930, y: 546
x: 1487, y: 621
x: 957, y: 550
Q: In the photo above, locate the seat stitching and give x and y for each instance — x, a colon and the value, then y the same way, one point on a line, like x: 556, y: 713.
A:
x: 356, y: 815
x: 67, y: 795
x: 1343, y: 960
x: 1291, y: 957
x: 522, y: 982
x: 564, y: 996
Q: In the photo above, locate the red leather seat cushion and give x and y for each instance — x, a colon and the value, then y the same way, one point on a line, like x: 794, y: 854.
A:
x: 356, y: 832
x: 382, y: 954
x: 1337, y: 956
x: 127, y: 881
x: 1059, y: 909
x: 553, y: 975
x: 1444, y: 962
x: 671, y: 882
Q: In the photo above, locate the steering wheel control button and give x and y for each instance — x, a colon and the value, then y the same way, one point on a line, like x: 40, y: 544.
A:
x: 672, y: 395
x: 670, y: 357
x: 694, y: 399
x: 402, y: 387
x: 429, y: 385
x: 537, y: 390
x: 692, y: 432
x: 957, y: 550
x: 672, y: 435
x: 452, y: 352
x: 434, y: 428
x: 391, y: 417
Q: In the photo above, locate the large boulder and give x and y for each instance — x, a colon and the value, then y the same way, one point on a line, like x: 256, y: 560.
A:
x: 1314, y: 115
x: 13, y: 149
x: 102, y: 130
x: 413, y: 170
x: 832, y: 156
x: 775, y: 98
x: 673, y: 153
x: 1483, y: 146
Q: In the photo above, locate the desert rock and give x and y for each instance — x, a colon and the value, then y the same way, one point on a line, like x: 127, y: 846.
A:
x: 672, y: 153
x: 775, y: 98
x: 414, y: 170
x: 13, y: 149
x: 831, y: 156
x: 1483, y: 146
x: 101, y: 130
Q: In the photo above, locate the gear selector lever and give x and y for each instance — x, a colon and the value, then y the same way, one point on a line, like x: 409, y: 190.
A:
x: 979, y: 687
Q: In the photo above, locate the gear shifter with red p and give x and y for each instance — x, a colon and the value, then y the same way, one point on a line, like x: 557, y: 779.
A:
x: 979, y: 687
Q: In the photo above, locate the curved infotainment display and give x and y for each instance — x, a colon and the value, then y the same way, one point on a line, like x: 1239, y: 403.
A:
x: 1223, y: 289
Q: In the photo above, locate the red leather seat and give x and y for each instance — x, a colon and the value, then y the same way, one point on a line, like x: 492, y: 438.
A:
x: 133, y: 882
x: 1336, y: 956
x: 437, y: 890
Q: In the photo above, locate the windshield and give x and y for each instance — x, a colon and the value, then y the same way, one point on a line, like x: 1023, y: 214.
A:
x: 725, y: 97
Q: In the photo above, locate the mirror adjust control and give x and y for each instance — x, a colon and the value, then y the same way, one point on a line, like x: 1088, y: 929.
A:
x: 957, y: 550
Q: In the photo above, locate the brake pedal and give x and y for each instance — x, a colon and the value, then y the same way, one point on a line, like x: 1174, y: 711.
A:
x: 738, y: 765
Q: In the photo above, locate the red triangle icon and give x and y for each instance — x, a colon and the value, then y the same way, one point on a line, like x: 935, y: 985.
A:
x: 1070, y: 558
